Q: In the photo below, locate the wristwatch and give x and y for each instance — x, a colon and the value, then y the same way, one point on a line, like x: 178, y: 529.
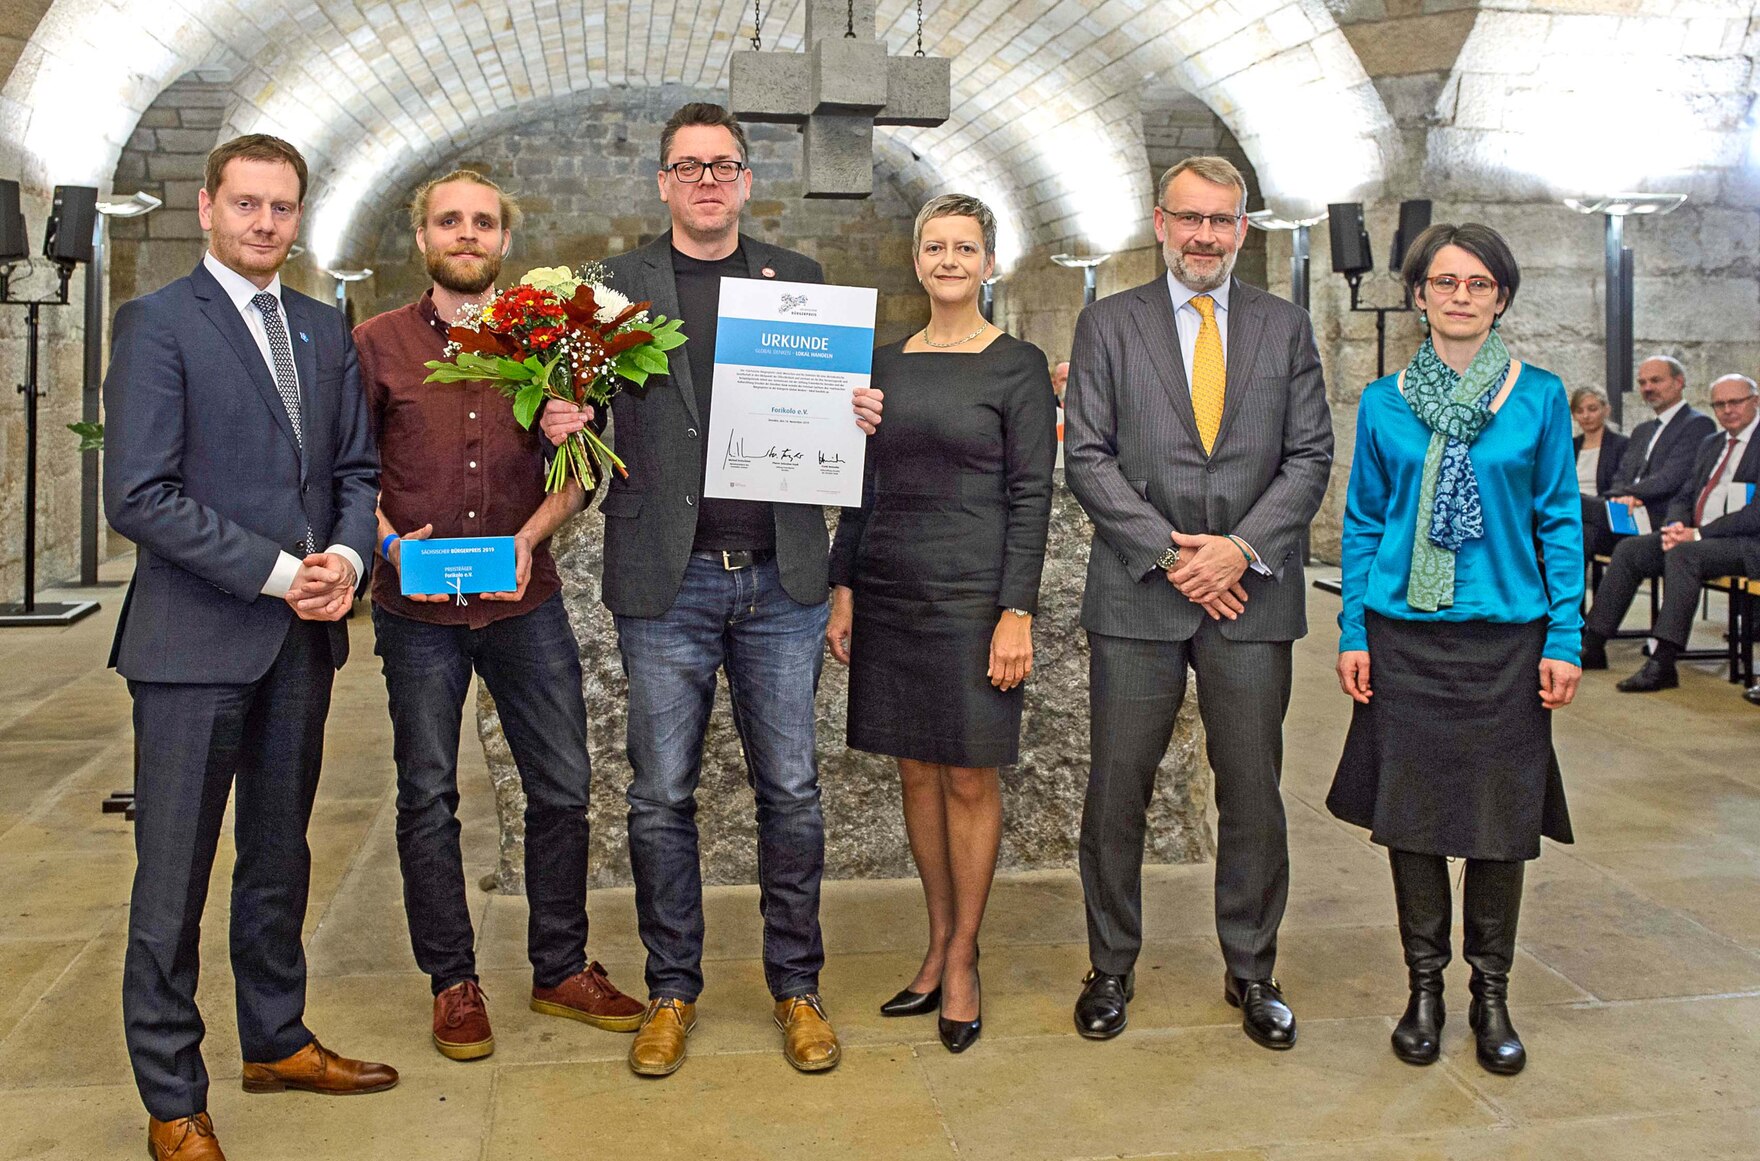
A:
x: 1168, y: 558
x: 1019, y: 612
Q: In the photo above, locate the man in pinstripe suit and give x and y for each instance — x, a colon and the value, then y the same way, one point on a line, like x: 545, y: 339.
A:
x: 1198, y: 440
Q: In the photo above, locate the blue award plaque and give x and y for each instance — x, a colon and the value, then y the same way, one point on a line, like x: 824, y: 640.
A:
x: 465, y: 565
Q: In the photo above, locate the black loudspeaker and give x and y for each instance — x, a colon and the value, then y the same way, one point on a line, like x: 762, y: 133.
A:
x: 1350, y: 240
x: 72, y: 219
x: 13, y: 245
x: 1414, y: 219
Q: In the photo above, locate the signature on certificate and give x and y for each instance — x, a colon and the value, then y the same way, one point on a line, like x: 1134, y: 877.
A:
x: 737, y: 453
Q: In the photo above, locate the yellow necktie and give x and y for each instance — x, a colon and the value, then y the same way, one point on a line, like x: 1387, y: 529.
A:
x: 1208, y: 373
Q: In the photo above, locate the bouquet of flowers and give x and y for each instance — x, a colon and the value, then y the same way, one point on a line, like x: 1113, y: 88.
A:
x: 563, y: 335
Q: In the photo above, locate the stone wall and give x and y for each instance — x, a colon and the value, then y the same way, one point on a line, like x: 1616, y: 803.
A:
x: 585, y: 177
x: 864, y: 826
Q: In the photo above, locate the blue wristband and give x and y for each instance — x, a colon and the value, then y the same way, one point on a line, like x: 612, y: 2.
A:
x: 385, y: 545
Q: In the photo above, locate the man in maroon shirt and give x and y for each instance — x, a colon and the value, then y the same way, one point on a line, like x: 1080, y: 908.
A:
x: 455, y: 463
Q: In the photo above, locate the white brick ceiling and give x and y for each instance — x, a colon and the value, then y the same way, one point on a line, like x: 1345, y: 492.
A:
x: 1044, y: 120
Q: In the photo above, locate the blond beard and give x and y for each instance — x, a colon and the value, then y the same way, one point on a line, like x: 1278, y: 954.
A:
x: 1176, y: 263
x: 443, y: 269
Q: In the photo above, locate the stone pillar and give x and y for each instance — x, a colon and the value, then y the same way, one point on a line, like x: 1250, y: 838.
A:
x: 864, y: 825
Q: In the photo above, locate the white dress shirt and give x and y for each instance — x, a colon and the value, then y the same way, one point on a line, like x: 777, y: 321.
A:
x: 1720, y: 503
x: 1663, y: 420
x: 1187, y: 321
x: 241, y: 290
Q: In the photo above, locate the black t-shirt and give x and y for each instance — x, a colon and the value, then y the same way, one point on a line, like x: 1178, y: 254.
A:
x: 729, y: 524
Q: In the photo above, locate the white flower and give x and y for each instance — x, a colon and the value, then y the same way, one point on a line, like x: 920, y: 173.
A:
x: 610, y: 303
x: 559, y: 280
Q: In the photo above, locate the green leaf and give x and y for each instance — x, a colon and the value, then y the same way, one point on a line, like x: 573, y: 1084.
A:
x: 527, y: 402
x: 634, y: 374
x: 91, y: 435
x: 650, y: 360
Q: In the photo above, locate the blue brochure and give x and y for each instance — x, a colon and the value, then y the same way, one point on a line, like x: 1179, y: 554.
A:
x: 462, y: 567
x: 1624, y: 521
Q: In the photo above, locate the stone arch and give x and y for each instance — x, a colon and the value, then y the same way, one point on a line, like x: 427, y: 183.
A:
x: 1045, y: 118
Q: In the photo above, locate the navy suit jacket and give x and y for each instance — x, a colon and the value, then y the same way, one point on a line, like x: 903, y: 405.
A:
x: 1656, y: 478
x: 203, y: 472
x: 1744, y: 523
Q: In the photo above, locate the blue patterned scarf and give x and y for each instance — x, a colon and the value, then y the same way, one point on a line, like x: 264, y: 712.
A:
x: 1456, y: 408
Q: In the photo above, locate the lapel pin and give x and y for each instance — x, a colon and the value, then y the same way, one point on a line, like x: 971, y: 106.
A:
x: 768, y: 272
x: 302, y: 337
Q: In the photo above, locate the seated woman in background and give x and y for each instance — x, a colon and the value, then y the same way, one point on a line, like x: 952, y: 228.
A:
x: 935, y: 581
x: 1599, y: 449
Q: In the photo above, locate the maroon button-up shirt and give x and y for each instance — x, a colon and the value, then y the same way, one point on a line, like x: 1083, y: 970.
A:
x: 450, y: 454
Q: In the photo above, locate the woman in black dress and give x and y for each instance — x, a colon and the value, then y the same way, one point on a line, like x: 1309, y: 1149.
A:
x: 935, y: 581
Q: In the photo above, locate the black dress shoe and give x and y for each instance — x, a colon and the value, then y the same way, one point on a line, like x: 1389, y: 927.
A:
x: 909, y: 1003
x: 1100, y: 1009
x: 959, y: 1035
x: 1652, y: 677
x: 1265, y: 1018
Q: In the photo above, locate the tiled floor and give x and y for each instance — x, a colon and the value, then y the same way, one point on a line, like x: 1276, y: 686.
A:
x: 1637, y: 990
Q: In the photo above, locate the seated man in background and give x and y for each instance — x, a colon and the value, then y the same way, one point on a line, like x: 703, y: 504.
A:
x: 1658, y: 458
x: 1713, y: 529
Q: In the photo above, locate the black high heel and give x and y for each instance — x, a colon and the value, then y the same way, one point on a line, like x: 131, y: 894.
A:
x: 959, y: 1035
x: 909, y: 1003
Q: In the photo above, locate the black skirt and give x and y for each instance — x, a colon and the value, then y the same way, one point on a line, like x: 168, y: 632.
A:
x: 1453, y: 754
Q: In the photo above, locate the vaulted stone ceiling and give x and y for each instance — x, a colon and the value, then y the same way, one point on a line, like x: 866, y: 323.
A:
x: 1044, y: 110
x: 1045, y: 119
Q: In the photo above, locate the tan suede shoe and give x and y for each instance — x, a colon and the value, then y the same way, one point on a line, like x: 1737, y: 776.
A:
x: 315, y: 1068
x: 808, y: 1040
x: 185, y: 1139
x: 659, y: 1046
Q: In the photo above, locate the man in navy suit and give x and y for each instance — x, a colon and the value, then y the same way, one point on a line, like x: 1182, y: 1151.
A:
x: 1659, y: 457
x: 238, y: 445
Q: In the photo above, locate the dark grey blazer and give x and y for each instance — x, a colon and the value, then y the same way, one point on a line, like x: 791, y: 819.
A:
x: 651, y: 517
x: 202, y: 472
x: 1655, y: 478
x: 1133, y: 458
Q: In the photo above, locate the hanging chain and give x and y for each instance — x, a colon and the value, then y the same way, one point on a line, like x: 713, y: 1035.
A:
x: 849, y: 30
x: 919, y: 51
x: 757, y: 27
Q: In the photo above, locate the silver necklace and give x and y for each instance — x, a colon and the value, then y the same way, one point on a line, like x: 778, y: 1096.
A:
x: 982, y: 327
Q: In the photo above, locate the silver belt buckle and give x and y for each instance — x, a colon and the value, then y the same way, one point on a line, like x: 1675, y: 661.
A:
x: 727, y: 561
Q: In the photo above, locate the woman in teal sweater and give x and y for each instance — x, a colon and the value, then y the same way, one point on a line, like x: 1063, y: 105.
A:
x: 1461, y: 629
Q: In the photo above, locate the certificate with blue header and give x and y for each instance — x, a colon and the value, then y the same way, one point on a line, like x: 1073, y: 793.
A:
x: 458, y: 567
x: 788, y: 359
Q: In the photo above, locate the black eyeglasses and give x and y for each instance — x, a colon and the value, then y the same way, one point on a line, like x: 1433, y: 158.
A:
x: 1730, y: 404
x: 690, y: 170
x: 1192, y: 222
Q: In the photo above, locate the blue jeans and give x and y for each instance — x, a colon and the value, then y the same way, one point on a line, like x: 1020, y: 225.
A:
x: 772, y: 649
x: 532, y: 668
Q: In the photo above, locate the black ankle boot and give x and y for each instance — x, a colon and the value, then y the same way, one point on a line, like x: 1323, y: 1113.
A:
x: 1493, y: 904
x: 1420, y: 890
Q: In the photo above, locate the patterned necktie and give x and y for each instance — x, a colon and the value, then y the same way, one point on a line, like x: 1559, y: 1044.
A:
x: 1729, y: 450
x: 286, y: 382
x: 1208, y: 373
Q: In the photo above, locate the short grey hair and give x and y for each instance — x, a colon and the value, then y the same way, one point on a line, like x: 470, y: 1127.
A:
x: 955, y: 205
x: 1733, y: 377
x: 1675, y: 365
x: 1216, y: 170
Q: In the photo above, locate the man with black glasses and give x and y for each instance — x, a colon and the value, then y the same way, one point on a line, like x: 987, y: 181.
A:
x: 698, y: 584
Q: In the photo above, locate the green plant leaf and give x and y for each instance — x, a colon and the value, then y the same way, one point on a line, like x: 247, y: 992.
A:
x: 91, y: 435
x: 527, y: 402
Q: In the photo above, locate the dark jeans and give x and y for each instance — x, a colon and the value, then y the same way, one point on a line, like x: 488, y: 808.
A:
x: 195, y: 745
x: 533, y: 671
x: 772, y: 649
x: 1683, y: 569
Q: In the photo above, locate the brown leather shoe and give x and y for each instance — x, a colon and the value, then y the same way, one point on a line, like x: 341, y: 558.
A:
x: 185, y: 1139
x: 461, y: 1023
x: 659, y: 1046
x: 808, y: 1040
x: 590, y: 997
x: 315, y: 1068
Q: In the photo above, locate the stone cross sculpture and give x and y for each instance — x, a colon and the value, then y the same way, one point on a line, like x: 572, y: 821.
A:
x: 837, y: 91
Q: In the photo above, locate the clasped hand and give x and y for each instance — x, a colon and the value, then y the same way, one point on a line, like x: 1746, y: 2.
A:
x: 1208, y: 574
x: 323, y: 588
x: 1676, y: 534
